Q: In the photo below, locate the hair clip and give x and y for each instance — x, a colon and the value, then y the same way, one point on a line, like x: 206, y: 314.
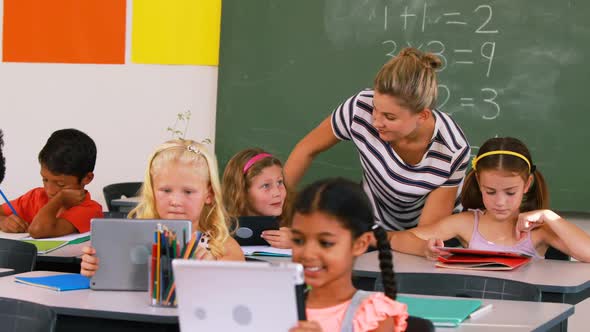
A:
x: 375, y: 226
x: 192, y: 148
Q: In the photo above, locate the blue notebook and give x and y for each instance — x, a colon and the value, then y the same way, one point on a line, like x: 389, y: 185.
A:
x: 441, y: 312
x: 60, y: 282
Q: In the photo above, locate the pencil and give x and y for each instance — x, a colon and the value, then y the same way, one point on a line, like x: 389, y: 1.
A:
x: 188, y: 249
x: 194, y: 248
x: 8, y: 203
x: 158, y: 280
x: 170, y: 293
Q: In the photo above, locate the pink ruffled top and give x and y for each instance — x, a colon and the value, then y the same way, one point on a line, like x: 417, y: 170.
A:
x: 372, y: 311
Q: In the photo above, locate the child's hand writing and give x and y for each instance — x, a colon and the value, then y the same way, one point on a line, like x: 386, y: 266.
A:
x: 431, y: 251
x: 306, y: 326
x: 71, y: 197
x: 528, y: 221
x: 14, y: 224
x: 89, y: 264
x: 278, y: 238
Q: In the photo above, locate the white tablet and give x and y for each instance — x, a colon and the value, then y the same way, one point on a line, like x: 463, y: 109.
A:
x: 238, y: 296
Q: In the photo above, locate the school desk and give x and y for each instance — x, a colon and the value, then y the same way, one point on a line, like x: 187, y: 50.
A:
x: 90, y: 310
x: 559, y: 281
x: 5, y: 272
x: 581, y: 319
x: 100, y: 310
x: 583, y: 223
x: 64, y: 259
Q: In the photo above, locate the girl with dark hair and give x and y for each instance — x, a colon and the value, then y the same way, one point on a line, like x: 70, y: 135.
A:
x: 507, y: 201
x: 332, y: 225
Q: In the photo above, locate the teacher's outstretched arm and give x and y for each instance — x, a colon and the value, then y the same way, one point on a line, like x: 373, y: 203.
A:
x: 320, y: 139
x: 439, y: 204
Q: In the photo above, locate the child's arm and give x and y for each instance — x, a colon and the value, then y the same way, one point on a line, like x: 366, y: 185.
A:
x: 386, y: 325
x: 47, y: 224
x: 233, y: 252
x: 416, y: 240
x: 556, y: 232
x: 438, y: 205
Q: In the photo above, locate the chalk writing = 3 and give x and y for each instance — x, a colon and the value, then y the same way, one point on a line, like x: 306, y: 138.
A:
x: 461, y: 56
x: 486, y: 102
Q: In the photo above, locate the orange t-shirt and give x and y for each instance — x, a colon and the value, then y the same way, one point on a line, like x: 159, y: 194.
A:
x: 28, y: 205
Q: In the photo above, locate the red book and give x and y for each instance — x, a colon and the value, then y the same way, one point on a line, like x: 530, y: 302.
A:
x: 471, y: 259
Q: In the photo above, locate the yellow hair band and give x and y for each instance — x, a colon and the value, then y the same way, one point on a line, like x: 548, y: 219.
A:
x: 491, y: 153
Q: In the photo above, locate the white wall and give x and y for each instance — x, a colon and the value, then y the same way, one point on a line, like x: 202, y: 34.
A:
x: 124, y: 108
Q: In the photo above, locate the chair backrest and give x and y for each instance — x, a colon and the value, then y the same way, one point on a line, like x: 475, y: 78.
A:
x: 114, y: 214
x: 553, y: 253
x: 17, y: 255
x: 417, y: 324
x: 117, y: 190
x: 457, y: 285
x: 23, y: 316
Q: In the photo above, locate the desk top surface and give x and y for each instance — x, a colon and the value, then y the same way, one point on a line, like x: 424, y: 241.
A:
x: 583, y: 223
x: 4, y: 271
x: 550, y: 275
x: 86, y: 302
x: 512, y: 315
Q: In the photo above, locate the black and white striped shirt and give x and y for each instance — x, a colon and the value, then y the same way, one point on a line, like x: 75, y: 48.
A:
x: 399, y: 190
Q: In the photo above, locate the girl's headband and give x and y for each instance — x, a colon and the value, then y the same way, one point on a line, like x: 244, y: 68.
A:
x: 512, y: 153
x: 253, y: 160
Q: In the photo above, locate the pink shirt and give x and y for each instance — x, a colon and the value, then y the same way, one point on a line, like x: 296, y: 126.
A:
x: 372, y: 311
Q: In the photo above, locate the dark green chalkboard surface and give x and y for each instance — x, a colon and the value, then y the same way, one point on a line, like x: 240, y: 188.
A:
x: 511, y: 68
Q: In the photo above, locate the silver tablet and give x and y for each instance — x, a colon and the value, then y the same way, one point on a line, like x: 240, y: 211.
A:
x: 124, y: 247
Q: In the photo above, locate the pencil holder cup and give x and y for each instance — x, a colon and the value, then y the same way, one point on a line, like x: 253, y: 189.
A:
x: 161, y: 288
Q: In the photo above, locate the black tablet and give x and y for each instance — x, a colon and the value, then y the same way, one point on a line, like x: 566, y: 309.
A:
x: 250, y: 228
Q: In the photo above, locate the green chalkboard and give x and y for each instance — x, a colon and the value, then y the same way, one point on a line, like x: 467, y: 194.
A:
x: 511, y: 68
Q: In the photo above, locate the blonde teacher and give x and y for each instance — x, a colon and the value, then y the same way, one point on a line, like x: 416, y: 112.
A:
x: 413, y: 156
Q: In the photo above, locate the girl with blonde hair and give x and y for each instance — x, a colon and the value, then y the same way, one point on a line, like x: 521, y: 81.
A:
x: 182, y: 182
